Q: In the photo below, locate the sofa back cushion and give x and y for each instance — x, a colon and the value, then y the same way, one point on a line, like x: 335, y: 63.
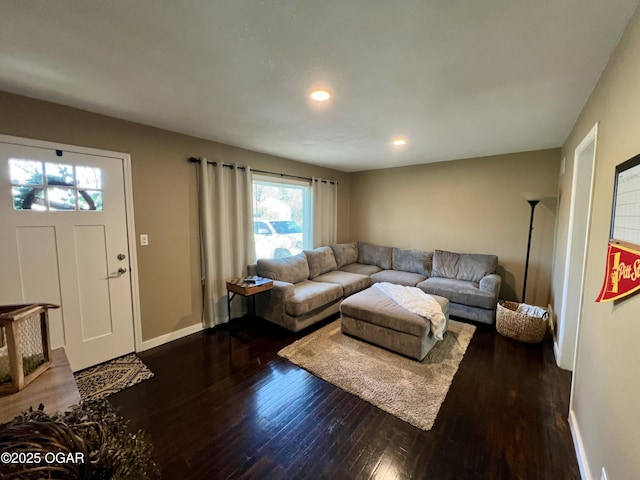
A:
x: 414, y: 261
x: 320, y: 260
x: 345, y: 253
x: 445, y: 264
x: 463, y: 266
x: 374, y: 255
x: 288, y: 269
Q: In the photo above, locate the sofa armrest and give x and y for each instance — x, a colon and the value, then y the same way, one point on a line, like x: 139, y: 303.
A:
x: 282, y: 291
x: 271, y: 304
x: 491, y: 283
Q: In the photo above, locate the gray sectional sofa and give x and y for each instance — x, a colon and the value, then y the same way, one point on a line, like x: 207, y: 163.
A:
x: 310, y: 286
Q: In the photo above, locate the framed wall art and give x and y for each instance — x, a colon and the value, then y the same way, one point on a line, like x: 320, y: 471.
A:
x: 625, y: 217
x: 622, y: 275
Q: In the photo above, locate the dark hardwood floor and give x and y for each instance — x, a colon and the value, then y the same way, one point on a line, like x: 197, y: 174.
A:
x: 219, y: 407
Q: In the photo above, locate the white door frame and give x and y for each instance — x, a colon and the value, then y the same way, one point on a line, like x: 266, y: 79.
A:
x: 128, y: 197
x: 565, y: 338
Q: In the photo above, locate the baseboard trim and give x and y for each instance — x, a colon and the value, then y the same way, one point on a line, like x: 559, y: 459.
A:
x: 583, y: 464
x: 169, y: 337
x: 556, y: 353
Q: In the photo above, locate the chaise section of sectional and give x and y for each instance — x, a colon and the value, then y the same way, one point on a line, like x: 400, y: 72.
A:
x: 376, y: 318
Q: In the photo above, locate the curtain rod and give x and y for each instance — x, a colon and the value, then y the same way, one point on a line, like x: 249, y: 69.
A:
x: 215, y: 164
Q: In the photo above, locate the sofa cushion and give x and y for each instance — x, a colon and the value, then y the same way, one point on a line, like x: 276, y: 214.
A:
x: 407, y: 279
x: 374, y: 255
x: 292, y: 269
x: 320, y: 260
x: 309, y: 295
x: 345, y: 253
x: 409, y: 260
x: 474, y: 266
x: 463, y: 266
x: 350, y: 282
x: 459, y: 291
x: 360, y: 268
x: 445, y: 264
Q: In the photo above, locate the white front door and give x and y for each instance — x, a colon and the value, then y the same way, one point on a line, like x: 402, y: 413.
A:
x: 63, y: 240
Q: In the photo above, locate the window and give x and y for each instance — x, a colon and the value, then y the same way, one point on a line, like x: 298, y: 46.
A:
x: 281, y: 217
x: 54, y: 186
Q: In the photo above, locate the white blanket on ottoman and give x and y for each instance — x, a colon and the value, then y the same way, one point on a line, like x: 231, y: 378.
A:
x: 418, y: 302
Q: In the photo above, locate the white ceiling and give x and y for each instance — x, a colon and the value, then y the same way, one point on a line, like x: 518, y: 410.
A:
x: 458, y: 78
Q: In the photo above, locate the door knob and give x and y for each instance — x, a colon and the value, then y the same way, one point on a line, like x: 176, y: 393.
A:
x: 121, y: 271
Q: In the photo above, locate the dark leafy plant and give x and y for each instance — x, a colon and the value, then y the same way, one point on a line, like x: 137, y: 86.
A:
x: 92, y: 430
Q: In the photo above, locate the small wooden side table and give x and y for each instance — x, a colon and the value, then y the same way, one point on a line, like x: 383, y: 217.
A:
x: 246, y: 288
x: 56, y: 389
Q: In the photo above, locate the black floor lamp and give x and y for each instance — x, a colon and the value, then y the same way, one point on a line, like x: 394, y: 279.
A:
x: 533, y: 199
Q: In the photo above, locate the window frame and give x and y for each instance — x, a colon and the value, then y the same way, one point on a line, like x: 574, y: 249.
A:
x: 307, y: 206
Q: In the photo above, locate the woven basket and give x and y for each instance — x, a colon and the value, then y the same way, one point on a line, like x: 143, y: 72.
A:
x: 518, y: 326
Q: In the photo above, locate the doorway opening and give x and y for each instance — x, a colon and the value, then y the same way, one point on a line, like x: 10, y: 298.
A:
x: 577, y: 245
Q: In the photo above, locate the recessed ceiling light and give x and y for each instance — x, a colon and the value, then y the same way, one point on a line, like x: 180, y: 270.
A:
x: 320, y: 95
x: 399, y: 142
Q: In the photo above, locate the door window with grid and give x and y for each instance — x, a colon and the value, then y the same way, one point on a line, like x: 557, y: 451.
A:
x: 47, y: 186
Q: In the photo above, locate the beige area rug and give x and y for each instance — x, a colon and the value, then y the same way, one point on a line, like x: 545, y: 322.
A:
x: 410, y: 390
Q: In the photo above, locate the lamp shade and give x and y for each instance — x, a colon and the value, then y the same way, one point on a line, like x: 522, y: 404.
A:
x: 533, y: 196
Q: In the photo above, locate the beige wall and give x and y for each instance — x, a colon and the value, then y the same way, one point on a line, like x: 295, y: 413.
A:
x: 606, y: 381
x: 164, y: 192
x: 472, y: 205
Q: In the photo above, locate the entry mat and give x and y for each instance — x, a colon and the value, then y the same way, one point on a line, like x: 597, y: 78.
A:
x: 111, y: 377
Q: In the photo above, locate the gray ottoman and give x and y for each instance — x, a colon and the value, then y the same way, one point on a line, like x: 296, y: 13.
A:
x: 372, y: 316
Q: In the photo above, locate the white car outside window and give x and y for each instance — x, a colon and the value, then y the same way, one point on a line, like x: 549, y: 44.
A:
x: 277, y: 238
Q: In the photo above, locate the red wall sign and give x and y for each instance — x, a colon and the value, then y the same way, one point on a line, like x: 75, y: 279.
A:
x: 622, y: 275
